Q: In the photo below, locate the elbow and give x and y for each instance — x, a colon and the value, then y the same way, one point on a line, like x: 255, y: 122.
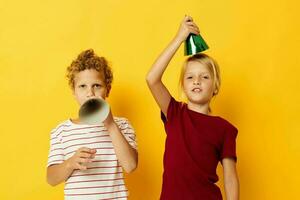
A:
x: 151, y: 80
x: 148, y: 79
x: 51, y: 182
x: 130, y: 168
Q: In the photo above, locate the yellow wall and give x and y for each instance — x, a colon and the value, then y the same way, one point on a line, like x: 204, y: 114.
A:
x: 255, y: 42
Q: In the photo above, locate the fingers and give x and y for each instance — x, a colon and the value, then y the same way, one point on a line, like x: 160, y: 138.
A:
x: 84, y: 160
x: 80, y: 166
x: 187, y: 27
x: 82, y: 157
x: 188, y: 18
x: 85, y: 149
x: 193, y: 29
x: 86, y: 152
x: 191, y: 25
x: 86, y: 155
x: 93, y: 150
x: 81, y: 163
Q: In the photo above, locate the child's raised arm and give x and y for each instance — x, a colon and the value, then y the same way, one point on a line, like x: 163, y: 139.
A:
x: 154, y: 76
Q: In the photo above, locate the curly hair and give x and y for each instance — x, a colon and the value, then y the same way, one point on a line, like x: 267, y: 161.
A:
x: 89, y: 60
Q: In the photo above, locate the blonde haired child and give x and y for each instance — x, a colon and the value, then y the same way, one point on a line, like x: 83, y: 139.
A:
x: 196, y: 141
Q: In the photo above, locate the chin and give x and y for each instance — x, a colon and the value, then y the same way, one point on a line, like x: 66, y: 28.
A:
x: 199, y: 101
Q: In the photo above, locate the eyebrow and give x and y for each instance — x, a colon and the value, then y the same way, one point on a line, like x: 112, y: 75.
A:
x: 190, y: 73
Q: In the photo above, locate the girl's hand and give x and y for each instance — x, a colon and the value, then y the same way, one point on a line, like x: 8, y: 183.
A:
x: 187, y: 27
x: 81, y: 158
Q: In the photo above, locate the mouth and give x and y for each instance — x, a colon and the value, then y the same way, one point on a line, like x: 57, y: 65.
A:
x: 197, y: 90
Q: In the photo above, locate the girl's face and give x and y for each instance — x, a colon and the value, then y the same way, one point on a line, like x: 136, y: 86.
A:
x: 198, y: 84
x: 89, y: 84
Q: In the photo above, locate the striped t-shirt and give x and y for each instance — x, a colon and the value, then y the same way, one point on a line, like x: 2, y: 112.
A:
x: 103, y: 178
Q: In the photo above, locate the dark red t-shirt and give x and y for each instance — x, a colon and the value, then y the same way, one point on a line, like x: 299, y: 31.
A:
x: 195, y: 144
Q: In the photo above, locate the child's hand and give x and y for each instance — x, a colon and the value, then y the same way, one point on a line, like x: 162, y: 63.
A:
x: 187, y: 26
x: 81, y: 158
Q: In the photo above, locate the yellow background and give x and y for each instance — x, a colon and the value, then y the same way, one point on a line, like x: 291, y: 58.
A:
x: 255, y: 42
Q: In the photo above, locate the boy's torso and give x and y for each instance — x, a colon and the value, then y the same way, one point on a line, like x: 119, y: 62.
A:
x: 103, y: 178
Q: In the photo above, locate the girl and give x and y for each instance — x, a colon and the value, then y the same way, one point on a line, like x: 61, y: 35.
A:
x: 196, y: 141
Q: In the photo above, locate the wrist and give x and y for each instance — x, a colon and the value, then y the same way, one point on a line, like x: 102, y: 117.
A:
x: 68, y: 165
x: 178, y: 39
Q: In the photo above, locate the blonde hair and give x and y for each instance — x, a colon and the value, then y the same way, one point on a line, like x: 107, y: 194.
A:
x: 89, y: 60
x: 212, y: 66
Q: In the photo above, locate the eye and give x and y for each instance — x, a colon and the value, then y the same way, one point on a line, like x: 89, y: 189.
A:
x: 206, y: 77
x: 189, y: 77
x: 82, y: 86
x: 97, y: 86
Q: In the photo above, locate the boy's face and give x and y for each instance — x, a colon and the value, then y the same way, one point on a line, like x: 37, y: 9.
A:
x: 198, y: 83
x: 89, y: 84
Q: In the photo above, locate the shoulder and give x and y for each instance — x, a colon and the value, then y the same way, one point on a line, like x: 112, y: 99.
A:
x: 177, y: 103
x: 175, y: 106
x: 61, y: 127
x: 124, y: 125
x: 228, y: 126
x: 120, y: 120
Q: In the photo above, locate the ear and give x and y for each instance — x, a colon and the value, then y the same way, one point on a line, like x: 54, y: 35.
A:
x: 73, y: 92
x: 108, y: 88
x: 215, y: 92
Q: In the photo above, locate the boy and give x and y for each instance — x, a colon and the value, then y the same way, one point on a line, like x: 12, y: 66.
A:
x: 90, y: 158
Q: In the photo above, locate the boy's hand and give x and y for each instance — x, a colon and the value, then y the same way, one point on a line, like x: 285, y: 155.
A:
x: 80, y: 159
x: 187, y: 26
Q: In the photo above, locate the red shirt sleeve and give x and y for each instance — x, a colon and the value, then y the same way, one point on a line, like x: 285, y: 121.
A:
x: 173, y: 110
x: 229, y: 143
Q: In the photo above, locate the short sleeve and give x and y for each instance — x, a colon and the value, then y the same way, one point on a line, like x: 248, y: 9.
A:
x: 56, y: 155
x: 128, y: 132
x: 173, y: 109
x: 229, y: 143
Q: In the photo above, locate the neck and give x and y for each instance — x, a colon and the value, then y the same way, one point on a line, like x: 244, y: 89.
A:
x: 200, y: 108
x: 75, y: 121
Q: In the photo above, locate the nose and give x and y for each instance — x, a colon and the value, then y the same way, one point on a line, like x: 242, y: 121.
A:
x: 196, y: 81
x: 90, y: 92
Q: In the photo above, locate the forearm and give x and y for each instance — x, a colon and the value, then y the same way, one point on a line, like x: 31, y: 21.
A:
x: 58, y: 173
x: 231, y: 185
x: 161, y: 63
x: 127, y: 156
